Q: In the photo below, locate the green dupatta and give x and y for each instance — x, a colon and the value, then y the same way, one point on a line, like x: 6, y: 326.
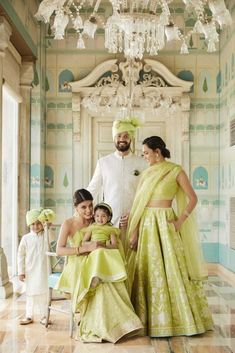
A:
x: 189, y: 233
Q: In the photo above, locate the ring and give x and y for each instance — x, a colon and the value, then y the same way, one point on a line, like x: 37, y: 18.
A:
x: 131, y: 246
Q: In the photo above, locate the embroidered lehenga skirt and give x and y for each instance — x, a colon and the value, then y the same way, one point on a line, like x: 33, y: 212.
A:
x: 105, y: 308
x: 165, y: 299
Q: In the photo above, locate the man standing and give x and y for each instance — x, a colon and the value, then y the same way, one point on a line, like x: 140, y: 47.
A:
x: 117, y: 174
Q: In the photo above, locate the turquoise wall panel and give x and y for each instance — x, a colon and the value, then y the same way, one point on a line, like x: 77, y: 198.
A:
x: 227, y: 256
x: 211, y: 252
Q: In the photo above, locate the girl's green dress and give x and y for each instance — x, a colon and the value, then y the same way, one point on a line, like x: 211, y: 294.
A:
x: 106, y: 310
x: 165, y: 274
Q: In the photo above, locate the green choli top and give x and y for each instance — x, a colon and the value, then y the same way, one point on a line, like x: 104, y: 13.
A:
x: 102, y: 232
x: 168, y: 186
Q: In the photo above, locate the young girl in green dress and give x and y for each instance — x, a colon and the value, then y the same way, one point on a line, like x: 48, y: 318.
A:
x: 106, y: 263
x: 102, y: 230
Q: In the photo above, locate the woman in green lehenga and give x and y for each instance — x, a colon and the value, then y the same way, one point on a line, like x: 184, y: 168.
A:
x: 106, y: 310
x: 164, y: 261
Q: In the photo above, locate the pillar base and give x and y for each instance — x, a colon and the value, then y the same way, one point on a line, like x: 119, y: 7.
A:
x: 6, y: 287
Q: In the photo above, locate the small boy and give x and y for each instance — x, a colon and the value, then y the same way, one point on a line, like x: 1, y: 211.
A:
x: 32, y: 264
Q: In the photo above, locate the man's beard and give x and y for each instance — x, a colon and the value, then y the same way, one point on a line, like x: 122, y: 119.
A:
x: 123, y: 147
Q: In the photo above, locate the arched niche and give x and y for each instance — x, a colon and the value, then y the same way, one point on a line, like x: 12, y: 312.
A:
x: 160, y: 80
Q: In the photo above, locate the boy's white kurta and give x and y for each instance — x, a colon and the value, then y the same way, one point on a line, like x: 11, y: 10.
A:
x: 32, y: 262
x: 115, y: 176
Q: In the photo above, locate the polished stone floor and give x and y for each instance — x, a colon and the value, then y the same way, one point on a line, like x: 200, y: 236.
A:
x: 35, y: 338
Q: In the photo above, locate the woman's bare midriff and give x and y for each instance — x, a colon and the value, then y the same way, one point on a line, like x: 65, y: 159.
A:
x: 159, y: 203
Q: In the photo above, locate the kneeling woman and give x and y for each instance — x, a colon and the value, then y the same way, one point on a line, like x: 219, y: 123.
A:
x: 106, y: 311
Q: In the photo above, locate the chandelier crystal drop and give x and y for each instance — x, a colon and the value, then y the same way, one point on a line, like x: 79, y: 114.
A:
x: 135, y: 27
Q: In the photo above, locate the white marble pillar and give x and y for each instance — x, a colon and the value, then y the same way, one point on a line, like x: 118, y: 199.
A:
x: 26, y: 79
x: 6, y: 287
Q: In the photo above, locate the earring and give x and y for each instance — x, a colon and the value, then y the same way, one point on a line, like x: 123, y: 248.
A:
x: 157, y: 157
x: 76, y: 214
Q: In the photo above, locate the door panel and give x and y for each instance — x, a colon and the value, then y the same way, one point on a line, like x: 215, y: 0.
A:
x: 150, y: 128
x: 102, y: 141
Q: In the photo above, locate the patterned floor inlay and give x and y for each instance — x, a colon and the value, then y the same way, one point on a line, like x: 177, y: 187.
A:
x: 35, y: 338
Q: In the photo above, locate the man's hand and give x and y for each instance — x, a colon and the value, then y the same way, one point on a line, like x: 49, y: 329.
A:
x: 124, y: 221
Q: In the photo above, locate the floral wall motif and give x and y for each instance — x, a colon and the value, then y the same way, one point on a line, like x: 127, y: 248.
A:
x: 35, y: 176
x: 200, y: 178
x: 65, y: 77
x: 38, y: 108
x: 48, y: 177
x: 186, y: 75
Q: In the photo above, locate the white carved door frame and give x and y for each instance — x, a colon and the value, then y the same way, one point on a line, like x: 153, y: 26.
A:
x: 82, y: 129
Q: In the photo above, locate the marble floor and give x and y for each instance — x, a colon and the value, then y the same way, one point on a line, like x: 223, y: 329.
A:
x: 35, y: 338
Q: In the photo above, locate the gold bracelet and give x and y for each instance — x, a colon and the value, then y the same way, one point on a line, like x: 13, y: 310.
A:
x: 77, y: 251
x: 186, y: 213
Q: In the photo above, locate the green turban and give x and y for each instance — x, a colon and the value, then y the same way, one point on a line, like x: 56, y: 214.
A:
x: 126, y: 125
x: 42, y: 215
x: 47, y: 215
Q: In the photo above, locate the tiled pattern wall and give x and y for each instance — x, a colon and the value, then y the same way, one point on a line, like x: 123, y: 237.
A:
x: 38, y: 127
x: 65, y: 63
x: 58, y: 169
x: 227, y: 152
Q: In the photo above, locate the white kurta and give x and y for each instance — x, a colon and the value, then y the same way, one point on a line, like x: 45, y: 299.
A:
x: 115, y: 178
x: 32, y: 262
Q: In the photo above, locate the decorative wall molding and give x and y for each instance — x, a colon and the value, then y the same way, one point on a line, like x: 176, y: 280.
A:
x: 150, y: 76
x: 154, y: 73
x: 93, y: 76
x: 5, y: 33
x: 26, y: 74
x: 172, y: 80
x: 76, y: 116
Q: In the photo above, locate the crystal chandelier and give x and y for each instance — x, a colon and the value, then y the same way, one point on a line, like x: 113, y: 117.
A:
x: 135, y: 27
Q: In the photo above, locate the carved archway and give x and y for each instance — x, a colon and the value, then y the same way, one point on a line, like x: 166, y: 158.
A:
x: 154, y: 79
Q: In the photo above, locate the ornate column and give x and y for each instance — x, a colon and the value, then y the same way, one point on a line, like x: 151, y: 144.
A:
x: 77, y: 155
x: 26, y: 79
x: 76, y: 111
x: 6, y: 288
x: 185, y: 106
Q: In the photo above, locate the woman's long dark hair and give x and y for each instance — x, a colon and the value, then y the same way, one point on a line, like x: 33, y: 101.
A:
x: 154, y: 142
x: 80, y: 196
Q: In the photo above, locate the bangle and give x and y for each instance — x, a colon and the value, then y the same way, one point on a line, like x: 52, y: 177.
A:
x: 186, y: 213
x: 77, y: 251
